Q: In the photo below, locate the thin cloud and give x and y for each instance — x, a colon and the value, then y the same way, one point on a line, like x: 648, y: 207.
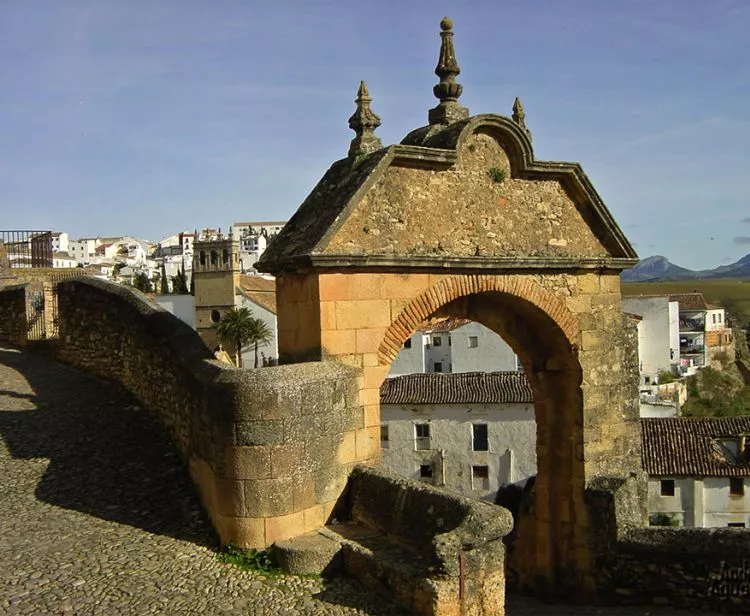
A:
x: 746, y: 220
x: 742, y: 239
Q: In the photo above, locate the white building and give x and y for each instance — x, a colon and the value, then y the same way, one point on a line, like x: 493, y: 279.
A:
x: 658, y: 335
x: 454, y: 346
x: 471, y: 432
x: 699, y: 470
x: 63, y: 260
x: 258, y: 294
x: 82, y: 250
x: 253, y: 238
x: 60, y: 241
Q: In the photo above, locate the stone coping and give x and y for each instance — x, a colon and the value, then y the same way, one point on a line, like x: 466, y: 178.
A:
x: 246, y: 385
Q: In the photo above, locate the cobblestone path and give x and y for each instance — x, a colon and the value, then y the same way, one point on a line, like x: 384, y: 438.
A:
x: 98, y: 516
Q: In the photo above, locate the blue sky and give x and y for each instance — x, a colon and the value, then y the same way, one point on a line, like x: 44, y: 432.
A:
x: 147, y: 117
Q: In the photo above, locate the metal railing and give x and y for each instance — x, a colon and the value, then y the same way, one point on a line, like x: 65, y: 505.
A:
x: 25, y: 249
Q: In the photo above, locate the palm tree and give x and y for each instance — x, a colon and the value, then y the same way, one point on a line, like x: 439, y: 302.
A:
x: 259, y: 334
x: 235, y: 329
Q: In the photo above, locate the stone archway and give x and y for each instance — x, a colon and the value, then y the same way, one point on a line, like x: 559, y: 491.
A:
x: 461, y: 219
x: 544, y: 333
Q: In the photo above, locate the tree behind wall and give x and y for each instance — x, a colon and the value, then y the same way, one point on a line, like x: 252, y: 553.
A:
x: 179, y: 283
x: 163, y: 280
x: 234, y: 330
x: 142, y: 283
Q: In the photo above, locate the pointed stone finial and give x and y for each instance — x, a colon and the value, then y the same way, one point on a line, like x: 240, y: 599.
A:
x: 448, y: 90
x: 364, y: 122
x: 519, y: 116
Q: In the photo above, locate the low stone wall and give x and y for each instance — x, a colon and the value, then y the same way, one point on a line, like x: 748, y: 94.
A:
x: 447, y: 555
x: 702, y: 568
x: 13, y: 320
x: 269, y: 449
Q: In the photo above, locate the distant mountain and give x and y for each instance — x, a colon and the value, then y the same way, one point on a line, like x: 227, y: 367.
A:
x: 655, y: 268
x: 660, y: 268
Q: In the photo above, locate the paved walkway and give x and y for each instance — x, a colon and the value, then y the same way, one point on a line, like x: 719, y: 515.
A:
x: 97, y: 515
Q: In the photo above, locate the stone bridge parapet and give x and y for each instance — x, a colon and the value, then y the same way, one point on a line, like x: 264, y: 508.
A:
x: 269, y: 449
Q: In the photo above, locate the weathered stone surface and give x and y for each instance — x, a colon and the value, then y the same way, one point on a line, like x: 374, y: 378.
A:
x: 405, y: 212
x: 263, y: 445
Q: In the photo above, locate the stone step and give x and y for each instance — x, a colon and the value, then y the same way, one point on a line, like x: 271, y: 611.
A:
x: 309, y: 554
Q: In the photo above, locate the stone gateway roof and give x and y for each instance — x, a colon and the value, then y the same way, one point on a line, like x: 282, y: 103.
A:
x: 390, y: 207
x: 461, y: 388
x: 690, y: 447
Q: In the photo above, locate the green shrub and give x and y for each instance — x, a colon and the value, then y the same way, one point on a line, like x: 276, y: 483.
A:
x: 260, y: 561
x: 497, y: 175
x: 662, y: 519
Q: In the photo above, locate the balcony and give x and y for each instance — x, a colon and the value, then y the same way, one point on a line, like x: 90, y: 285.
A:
x: 692, y: 325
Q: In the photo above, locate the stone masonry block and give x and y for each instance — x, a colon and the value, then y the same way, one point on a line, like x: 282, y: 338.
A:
x: 303, y: 490
x: 339, y: 342
x: 327, y: 316
x: 372, y: 415
x: 363, y: 314
x: 230, y: 497
x: 330, y: 483
x: 314, y: 517
x: 248, y: 462
x: 374, y: 376
x: 249, y: 433
x: 370, y: 395
x: 588, y: 284
x: 246, y: 533
x: 269, y: 497
x: 284, y: 527
x: 287, y: 459
x: 368, y: 340
x: 401, y: 286
x: 320, y: 452
x: 346, y: 451
x: 337, y: 287
x: 368, y: 442
x: 354, y: 418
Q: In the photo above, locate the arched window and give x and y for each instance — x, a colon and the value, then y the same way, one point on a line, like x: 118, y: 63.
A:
x: 214, y: 257
x: 203, y: 257
x: 226, y: 256
x: 215, y: 316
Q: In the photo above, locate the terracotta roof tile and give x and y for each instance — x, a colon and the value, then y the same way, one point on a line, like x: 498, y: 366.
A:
x: 461, y: 388
x: 686, y: 446
x: 260, y: 290
x: 689, y: 301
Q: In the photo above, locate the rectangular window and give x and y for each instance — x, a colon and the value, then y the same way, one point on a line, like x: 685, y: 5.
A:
x: 737, y: 486
x: 713, y: 319
x: 437, y: 341
x: 473, y: 342
x: 480, y: 478
x: 479, y: 437
x: 425, y: 472
x: 407, y: 343
x: 438, y: 366
x: 422, y: 437
x: 384, y: 437
x: 667, y: 487
x: 736, y: 525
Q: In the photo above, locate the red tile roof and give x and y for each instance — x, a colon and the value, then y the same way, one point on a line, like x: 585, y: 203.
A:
x: 689, y: 301
x: 260, y: 290
x: 461, y: 388
x: 687, y: 446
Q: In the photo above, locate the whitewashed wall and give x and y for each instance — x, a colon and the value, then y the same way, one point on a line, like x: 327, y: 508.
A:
x: 512, y: 443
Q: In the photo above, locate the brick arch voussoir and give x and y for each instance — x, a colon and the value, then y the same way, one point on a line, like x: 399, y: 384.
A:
x: 453, y: 287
